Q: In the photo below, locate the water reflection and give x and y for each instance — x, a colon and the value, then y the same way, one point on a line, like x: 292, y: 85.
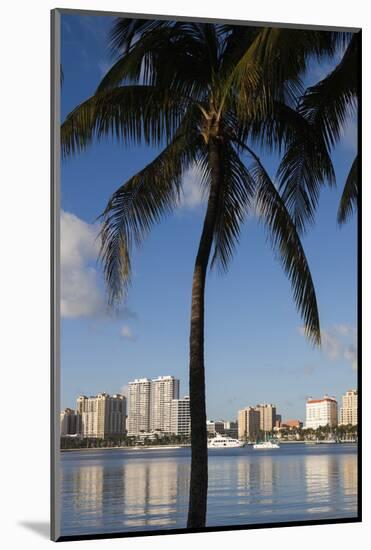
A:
x: 122, y: 490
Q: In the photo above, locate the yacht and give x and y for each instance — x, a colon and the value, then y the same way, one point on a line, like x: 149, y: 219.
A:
x: 221, y: 441
x: 266, y: 445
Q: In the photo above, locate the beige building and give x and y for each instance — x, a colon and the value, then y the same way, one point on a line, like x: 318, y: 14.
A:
x: 215, y: 427
x: 349, y: 410
x: 68, y: 422
x: 267, y: 416
x: 101, y: 415
x: 248, y: 423
x: 163, y: 390
x: 180, y: 417
x: 139, y: 406
x: 321, y: 412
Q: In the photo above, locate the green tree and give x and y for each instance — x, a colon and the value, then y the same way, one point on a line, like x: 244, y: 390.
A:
x: 208, y: 94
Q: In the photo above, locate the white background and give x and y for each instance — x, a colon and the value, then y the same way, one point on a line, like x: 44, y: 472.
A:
x: 24, y: 248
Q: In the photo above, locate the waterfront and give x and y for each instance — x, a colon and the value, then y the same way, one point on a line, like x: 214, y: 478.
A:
x: 146, y: 490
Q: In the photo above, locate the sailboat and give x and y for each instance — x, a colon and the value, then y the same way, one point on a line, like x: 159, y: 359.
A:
x: 266, y: 445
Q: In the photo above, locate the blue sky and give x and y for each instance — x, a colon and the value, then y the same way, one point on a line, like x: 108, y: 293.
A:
x: 254, y: 349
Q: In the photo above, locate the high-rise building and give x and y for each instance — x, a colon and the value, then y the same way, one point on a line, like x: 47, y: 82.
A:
x: 321, y: 412
x: 349, y: 410
x: 215, y: 426
x: 101, y: 415
x: 248, y: 423
x: 163, y: 390
x: 180, y: 417
x: 139, y: 406
x: 68, y: 419
x: 267, y: 416
x: 231, y: 429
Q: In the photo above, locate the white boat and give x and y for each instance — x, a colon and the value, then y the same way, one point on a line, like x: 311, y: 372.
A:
x: 222, y: 441
x: 266, y: 445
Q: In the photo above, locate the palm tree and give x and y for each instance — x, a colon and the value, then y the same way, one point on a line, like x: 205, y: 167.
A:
x: 328, y: 106
x: 207, y: 94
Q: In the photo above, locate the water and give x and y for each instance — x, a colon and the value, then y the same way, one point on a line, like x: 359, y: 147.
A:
x: 125, y: 490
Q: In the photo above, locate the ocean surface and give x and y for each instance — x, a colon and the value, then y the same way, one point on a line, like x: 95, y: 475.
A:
x: 107, y: 491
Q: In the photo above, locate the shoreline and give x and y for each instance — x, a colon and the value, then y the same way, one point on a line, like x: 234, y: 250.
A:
x: 185, y: 446
x: 126, y: 448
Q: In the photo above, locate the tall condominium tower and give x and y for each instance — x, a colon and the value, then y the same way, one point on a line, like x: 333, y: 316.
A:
x: 68, y: 422
x: 139, y: 406
x: 180, y: 417
x: 349, y: 410
x: 267, y: 416
x: 164, y: 389
x: 101, y: 415
x: 248, y: 423
x: 321, y: 412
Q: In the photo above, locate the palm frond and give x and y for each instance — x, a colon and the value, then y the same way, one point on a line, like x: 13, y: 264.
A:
x: 126, y: 31
x: 176, y: 57
x: 278, y: 58
x: 328, y: 104
x: 305, y: 167
x: 139, y: 203
x: 235, y: 195
x: 349, y: 197
x: 285, y: 239
x: 128, y: 113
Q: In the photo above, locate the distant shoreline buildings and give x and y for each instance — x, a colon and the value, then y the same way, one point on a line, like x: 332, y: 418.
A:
x: 349, y: 410
x: 253, y: 420
x: 155, y: 410
x: 321, y: 412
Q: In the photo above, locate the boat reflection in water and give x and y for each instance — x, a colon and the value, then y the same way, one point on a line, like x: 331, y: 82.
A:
x: 123, y: 490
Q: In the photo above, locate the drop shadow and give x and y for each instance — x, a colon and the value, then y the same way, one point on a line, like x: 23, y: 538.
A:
x: 42, y: 528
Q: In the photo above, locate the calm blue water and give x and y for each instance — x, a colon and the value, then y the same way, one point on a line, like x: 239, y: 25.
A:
x: 123, y: 490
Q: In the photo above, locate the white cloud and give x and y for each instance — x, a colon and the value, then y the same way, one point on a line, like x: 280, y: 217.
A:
x: 80, y: 292
x: 350, y: 354
x: 345, y: 330
x: 339, y: 343
x: 82, y: 287
x: 192, y: 191
x: 127, y: 333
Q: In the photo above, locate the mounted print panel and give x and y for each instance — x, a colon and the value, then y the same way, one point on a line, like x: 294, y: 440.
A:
x: 205, y: 258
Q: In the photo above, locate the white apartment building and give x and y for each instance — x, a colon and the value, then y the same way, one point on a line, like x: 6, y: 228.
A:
x: 180, y: 417
x: 321, y: 412
x: 163, y: 390
x: 101, y: 415
x: 349, y: 410
x: 139, y: 406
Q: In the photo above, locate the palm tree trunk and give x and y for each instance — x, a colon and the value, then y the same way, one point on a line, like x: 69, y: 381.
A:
x: 198, y: 482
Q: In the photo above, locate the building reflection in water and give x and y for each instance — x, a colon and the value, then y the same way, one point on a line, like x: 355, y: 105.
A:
x: 120, y: 491
x: 135, y: 493
x: 331, y: 484
x: 150, y: 493
x: 349, y: 472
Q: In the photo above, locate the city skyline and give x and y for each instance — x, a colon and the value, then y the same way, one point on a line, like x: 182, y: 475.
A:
x: 346, y: 398
x: 255, y: 350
